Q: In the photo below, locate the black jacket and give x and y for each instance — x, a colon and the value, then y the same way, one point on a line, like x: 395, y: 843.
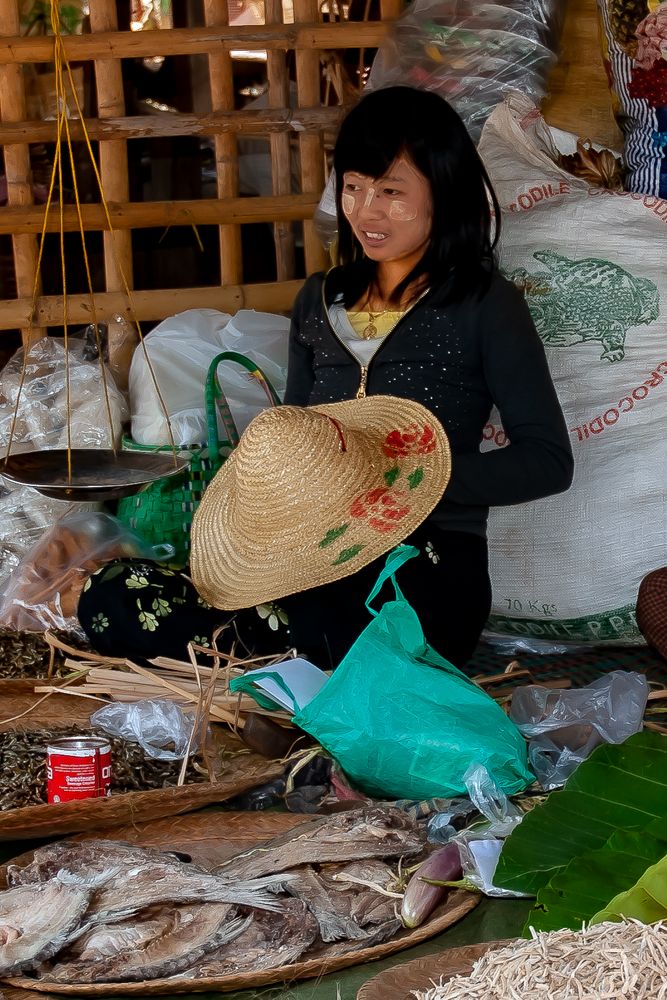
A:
x: 457, y: 360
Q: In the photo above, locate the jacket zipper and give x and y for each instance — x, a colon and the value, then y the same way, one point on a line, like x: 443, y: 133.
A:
x: 365, y: 369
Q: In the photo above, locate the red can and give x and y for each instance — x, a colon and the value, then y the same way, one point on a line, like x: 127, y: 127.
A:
x: 78, y: 767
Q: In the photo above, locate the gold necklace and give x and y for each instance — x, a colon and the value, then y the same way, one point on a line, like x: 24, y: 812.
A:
x: 370, y: 330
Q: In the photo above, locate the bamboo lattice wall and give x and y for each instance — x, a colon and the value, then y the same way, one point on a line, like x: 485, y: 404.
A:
x: 286, y: 127
x: 579, y: 101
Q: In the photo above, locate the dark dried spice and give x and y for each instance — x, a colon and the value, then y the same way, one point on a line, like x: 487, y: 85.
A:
x: 23, y: 766
x: 27, y: 654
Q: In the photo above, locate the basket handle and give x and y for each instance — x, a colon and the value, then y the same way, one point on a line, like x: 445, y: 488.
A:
x: 216, y: 402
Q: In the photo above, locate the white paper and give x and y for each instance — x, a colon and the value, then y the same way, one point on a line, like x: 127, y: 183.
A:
x: 301, y: 676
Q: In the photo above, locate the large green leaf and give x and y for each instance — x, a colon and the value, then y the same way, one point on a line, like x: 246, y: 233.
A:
x: 587, y: 884
x: 619, y: 787
x: 646, y: 900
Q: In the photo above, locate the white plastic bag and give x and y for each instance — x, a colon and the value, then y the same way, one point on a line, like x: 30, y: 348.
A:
x: 181, y: 349
x: 592, y: 264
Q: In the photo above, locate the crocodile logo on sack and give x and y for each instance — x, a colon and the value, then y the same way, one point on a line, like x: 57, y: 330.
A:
x: 590, y: 299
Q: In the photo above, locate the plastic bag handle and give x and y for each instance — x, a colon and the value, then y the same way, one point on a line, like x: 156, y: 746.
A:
x: 396, y: 558
x: 216, y: 402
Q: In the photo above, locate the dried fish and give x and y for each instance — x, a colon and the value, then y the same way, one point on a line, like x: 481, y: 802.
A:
x: 343, y: 908
x: 86, y: 860
x: 182, y: 936
x: 37, y: 921
x: 605, y: 961
x: 373, y: 832
x: 271, y: 940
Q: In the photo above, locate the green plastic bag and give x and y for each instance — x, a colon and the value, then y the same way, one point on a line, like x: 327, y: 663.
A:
x: 404, y: 723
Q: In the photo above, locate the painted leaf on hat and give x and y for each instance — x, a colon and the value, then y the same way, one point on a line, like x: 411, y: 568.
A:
x: 332, y: 534
x: 348, y: 554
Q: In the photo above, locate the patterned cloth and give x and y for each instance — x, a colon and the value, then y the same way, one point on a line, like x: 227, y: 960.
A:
x: 652, y: 610
x: 141, y: 610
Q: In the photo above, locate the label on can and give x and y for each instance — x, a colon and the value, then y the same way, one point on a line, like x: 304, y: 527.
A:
x: 78, y: 767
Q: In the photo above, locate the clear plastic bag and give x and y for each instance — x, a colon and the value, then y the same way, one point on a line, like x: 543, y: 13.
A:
x: 26, y: 516
x: 43, y: 591
x: 472, y: 54
x: 564, y: 727
x: 42, y: 416
x: 481, y: 844
x: 159, y: 726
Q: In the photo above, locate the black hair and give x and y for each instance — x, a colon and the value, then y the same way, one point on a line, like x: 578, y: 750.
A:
x: 424, y: 128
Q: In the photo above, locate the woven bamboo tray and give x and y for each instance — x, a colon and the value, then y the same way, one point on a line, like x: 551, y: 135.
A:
x: 211, y: 838
x: 420, y: 974
x: 240, y: 774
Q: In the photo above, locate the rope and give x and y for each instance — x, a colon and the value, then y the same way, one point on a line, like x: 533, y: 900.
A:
x: 62, y: 64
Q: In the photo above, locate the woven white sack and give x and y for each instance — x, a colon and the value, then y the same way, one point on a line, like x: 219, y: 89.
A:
x: 593, y: 264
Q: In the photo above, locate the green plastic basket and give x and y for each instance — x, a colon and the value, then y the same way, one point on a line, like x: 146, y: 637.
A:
x: 163, y: 512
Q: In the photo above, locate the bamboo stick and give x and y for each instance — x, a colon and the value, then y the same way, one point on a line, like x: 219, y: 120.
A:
x: 249, y: 121
x: 195, y: 41
x: 216, y: 14
x: 146, y: 215
x: 154, y: 304
x: 311, y: 147
x: 17, y: 167
x: 281, y: 156
x: 116, y: 185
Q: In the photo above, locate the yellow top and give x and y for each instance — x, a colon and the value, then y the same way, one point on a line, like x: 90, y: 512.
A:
x: 384, y: 322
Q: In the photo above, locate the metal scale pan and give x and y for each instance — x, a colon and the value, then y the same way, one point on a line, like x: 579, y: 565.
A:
x: 96, y: 474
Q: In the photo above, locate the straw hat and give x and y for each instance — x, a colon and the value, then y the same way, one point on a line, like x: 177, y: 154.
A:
x: 313, y: 494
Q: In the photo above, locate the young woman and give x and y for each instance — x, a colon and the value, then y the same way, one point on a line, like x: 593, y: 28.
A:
x: 417, y: 308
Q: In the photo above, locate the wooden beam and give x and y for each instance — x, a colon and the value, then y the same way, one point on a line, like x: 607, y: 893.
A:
x: 151, y: 305
x: 311, y: 146
x: 216, y: 14
x: 115, y: 176
x: 195, y: 41
x: 148, y: 214
x: 281, y: 152
x: 258, y: 122
x: 18, y: 171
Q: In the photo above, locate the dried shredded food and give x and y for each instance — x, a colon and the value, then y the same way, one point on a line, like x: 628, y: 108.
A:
x: 606, y: 962
x: 23, y: 766
x: 27, y: 654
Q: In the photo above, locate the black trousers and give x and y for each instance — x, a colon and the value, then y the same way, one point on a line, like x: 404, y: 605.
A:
x: 140, y: 610
x: 447, y: 584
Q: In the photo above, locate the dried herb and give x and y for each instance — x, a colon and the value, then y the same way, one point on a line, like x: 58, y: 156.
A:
x: 599, y: 167
x: 23, y: 766
x: 27, y: 654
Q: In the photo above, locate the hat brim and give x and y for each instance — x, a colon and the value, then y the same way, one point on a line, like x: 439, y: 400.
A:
x: 402, y: 464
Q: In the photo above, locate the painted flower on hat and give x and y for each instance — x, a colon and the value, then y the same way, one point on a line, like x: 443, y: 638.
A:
x: 412, y: 440
x: 381, y: 507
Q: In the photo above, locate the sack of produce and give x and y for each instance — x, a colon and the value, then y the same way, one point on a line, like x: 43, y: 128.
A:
x: 401, y: 720
x: 591, y: 264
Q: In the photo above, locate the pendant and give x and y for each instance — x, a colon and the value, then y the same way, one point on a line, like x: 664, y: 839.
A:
x: 369, y: 331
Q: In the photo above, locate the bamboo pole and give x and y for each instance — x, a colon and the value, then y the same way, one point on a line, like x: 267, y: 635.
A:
x: 281, y: 157
x: 216, y: 14
x: 138, y: 215
x: 116, y: 185
x: 148, y: 305
x: 311, y: 147
x: 196, y: 41
x: 258, y: 122
x: 17, y: 167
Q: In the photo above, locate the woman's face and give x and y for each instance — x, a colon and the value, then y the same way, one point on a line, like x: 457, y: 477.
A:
x: 391, y: 215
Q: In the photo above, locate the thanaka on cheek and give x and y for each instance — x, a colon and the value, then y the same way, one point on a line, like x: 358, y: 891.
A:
x: 348, y: 202
x: 400, y: 211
